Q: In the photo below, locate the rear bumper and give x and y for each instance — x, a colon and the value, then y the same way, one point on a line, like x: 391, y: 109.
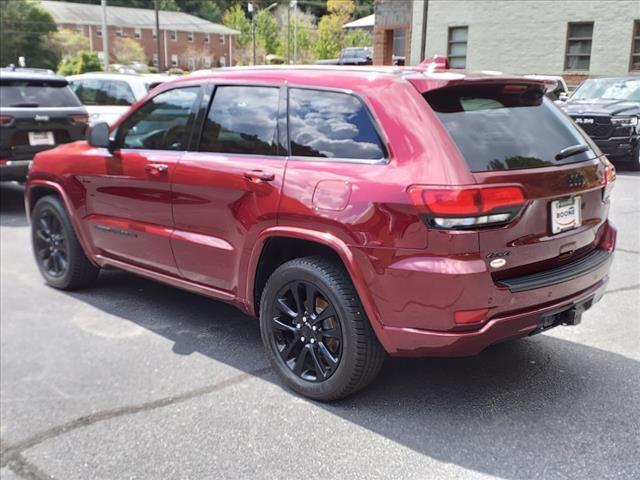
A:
x: 415, y: 299
x: 618, y: 148
x: 411, y: 342
x: 14, y: 170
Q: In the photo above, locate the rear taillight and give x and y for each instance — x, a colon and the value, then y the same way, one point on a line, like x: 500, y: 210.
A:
x: 462, y: 207
x: 608, y: 179
x: 83, y: 118
x: 5, y: 120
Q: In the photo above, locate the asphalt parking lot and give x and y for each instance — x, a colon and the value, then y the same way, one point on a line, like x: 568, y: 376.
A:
x: 137, y: 380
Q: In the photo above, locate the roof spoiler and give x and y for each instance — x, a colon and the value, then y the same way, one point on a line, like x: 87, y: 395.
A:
x: 435, y: 62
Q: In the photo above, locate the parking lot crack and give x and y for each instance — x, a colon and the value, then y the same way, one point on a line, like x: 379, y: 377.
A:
x: 11, y: 455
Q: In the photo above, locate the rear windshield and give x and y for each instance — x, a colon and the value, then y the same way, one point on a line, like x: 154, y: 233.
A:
x: 36, y: 93
x: 506, y: 127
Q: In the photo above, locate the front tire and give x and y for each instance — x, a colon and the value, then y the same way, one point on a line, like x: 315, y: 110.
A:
x: 315, y: 331
x: 60, y: 258
x: 635, y: 159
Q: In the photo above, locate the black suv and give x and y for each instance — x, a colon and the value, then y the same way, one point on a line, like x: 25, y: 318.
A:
x: 608, y: 110
x: 37, y: 112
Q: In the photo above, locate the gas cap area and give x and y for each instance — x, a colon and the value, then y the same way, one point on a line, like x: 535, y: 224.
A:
x: 332, y: 195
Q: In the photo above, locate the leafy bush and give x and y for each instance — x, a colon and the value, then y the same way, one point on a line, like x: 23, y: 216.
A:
x: 82, y: 63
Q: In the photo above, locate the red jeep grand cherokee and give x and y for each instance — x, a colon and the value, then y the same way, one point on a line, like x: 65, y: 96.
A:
x: 414, y: 211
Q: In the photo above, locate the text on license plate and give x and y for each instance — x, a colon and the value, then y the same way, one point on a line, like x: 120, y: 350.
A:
x: 566, y: 214
x: 41, y: 138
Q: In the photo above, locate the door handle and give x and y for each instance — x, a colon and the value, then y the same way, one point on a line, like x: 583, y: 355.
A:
x: 257, y: 176
x: 156, y: 168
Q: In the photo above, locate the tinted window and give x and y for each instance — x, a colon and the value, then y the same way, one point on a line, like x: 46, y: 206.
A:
x: 88, y: 91
x: 332, y: 125
x: 162, y: 123
x: 503, y: 127
x: 103, y: 92
x: 242, y: 120
x: 116, y: 92
x: 36, y: 93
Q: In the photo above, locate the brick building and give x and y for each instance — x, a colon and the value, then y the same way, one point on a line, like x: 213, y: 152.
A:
x: 186, y: 41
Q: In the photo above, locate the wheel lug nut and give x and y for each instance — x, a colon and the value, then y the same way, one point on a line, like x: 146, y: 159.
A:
x: 313, y: 340
x: 302, y: 339
x: 313, y: 328
x: 298, y: 325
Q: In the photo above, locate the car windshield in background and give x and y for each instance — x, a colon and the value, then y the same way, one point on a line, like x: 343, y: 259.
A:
x: 507, y: 127
x: 36, y: 93
x: 609, y: 89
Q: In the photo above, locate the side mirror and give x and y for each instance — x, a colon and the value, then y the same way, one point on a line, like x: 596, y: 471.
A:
x: 98, y: 135
x: 563, y: 97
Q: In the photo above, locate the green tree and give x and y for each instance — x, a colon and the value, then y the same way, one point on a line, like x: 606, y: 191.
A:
x: 24, y: 32
x: 267, y: 31
x: 81, y: 63
x: 306, y: 34
x: 235, y: 18
x: 68, y: 43
x: 357, y: 38
x: 127, y: 51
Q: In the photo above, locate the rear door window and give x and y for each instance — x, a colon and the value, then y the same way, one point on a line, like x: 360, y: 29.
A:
x: 117, y: 92
x: 36, y: 93
x: 242, y: 120
x: 506, y: 127
x: 331, y: 125
x: 88, y: 91
x: 162, y: 123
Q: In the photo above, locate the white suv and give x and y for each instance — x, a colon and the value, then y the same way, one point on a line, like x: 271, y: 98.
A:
x: 109, y: 95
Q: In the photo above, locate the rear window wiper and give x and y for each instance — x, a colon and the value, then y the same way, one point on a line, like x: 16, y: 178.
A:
x: 570, y: 151
x: 26, y: 105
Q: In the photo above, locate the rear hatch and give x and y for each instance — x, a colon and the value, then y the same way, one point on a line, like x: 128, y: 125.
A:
x: 514, y: 139
x: 36, y: 115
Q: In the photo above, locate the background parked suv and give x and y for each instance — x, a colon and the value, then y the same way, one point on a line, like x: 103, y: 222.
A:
x: 608, y: 110
x: 108, y: 95
x: 37, y: 112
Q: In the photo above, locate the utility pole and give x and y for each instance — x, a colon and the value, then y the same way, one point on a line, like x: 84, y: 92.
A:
x: 295, y: 31
x: 105, y: 37
x: 156, y: 5
x: 250, y: 9
x: 289, y: 35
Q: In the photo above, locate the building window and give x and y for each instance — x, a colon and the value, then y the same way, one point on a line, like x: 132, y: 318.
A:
x: 155, y: 60
x: 80, y: 29
x: 457, y: 49
x: 206, y: 62
x: 190, y: 36
x: 223, y: 61
x: 174, y: 60
x: 154, y: 33
x: 98, y: 30
x: 174, y: 36
x: 207, y: 38
x: 119, y: 32
x: 137, y: 33
x: 579, y: 37
x: 222, y: 40
x: 635, y: 47
x: 191, y: 63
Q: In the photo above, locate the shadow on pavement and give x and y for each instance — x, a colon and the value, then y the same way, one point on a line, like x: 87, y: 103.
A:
x: 539, y: 407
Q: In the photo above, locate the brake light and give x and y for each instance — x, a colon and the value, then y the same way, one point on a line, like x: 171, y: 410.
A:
x: 5, y: 120
x: 608, y: 178
x: 83, y: 118
x: 467, y: 207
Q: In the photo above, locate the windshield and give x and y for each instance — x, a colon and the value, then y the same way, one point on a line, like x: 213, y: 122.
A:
x: 609, y: 89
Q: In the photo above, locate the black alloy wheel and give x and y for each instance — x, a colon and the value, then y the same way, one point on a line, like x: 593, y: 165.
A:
x: 306, y: 331
x: 51, y: 244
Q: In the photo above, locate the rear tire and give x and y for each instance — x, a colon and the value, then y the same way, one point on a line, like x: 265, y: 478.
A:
x: 59, y: 256
x: 635, y: 159
x: 315, y: 331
